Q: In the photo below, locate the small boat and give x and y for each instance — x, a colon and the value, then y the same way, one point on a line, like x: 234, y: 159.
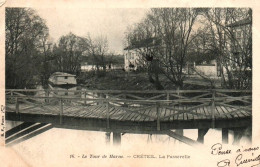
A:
x: 64, y: 84
x: 62, y: 79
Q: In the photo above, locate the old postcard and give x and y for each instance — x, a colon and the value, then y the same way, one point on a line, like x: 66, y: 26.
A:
x: 140, y: 83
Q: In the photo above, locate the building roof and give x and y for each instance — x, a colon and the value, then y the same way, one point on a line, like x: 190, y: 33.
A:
x: 63, y: 74
x: 246, y: 21
x: 148, y: 42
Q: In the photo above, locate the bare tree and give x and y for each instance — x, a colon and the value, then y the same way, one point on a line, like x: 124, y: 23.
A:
x: 141, y: 38
x: 69, y: 52
x: 97, y: 50
x: 174, y: 27
x: 23, y: 31
x: 231, y: 29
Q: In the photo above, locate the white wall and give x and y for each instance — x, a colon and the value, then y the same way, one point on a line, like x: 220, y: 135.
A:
x: 69, y: 80
x: 208, y: 70
x: 131, y: 56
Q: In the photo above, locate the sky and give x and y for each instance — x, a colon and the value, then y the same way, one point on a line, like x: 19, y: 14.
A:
x: 111, y: 23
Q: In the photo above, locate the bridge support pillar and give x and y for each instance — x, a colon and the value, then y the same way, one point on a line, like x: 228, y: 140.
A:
x: 240, y: 132
x: 108, y: 137
x: 249, y: 134
x: 116, y: 138
x: 201, y: 134
x: 224, y: 135
x: 179, y: 132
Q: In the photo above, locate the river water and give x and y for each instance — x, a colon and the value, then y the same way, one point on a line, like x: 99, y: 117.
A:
x: 54, y: 147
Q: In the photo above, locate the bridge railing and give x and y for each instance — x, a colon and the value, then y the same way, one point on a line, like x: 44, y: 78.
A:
x: 139, y: 105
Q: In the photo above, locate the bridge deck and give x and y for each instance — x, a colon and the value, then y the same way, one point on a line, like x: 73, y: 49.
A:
x: 125, y: 114
x: 138, y: 111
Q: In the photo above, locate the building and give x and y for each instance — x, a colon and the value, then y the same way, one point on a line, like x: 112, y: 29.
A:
x: 135, y: 56
x: 240, y: 42
x: 208, y: 69
x: 132, y: 58
x: 62, y: 78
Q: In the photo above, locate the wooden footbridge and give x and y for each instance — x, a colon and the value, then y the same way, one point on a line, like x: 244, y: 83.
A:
x: 119, y: 112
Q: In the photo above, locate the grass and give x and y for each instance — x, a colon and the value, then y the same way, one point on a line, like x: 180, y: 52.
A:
x: 121, y: 80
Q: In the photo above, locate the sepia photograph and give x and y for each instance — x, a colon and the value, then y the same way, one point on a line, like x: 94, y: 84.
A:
x: 150, y: 86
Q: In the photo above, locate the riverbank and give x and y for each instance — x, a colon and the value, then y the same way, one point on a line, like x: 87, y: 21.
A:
x: 121, y: 80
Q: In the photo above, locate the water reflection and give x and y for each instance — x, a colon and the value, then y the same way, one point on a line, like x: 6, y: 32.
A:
x: 69, y: 91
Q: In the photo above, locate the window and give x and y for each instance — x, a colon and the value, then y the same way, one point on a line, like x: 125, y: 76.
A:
x: 66, y: 77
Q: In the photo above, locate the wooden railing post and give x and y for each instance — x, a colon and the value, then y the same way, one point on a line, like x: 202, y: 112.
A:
x: 124, y: 96
x: 61, y: 110
x: 158, y: 116
x: 17, y: 105
x: 101, y: 97
x: 47, y: 93
x: 213, y: 107
x: 85, y: 96
x: 167, y: 98
x: 12, y: 93
x: 107, y: 114
x: 97, y: 97
x: 178, y: 93
x: 178, y: 90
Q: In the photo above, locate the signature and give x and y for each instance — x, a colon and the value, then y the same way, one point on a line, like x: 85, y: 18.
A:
x: 240, y: 161
x: 216, y: 149
x: 245, y: 156
x: 225, y: 162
